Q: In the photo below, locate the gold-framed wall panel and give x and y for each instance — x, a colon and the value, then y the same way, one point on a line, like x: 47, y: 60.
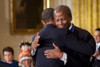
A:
x: 46, y: 4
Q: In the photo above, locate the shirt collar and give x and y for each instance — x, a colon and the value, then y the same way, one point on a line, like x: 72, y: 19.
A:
x: 71, y: 28
x: 98, y: 43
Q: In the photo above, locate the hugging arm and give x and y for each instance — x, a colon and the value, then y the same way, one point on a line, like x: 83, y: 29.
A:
x: 85, y: 46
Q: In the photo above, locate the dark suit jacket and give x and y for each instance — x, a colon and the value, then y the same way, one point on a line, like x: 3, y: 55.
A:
x: 46, y: 43
x: 79, y: 46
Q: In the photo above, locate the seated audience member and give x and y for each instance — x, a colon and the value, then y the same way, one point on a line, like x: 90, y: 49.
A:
x: 25, y: 58
x: 95, y: 62
x: 8, y: 54
x: 97, y: 40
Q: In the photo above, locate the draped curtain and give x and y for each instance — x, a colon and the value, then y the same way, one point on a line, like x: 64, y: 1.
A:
x: 86, y: 14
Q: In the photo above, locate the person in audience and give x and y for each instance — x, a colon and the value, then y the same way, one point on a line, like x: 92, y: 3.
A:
x: 8, y: 54
x: 25, y: 58
x: 97, y: 40
x: 95, y: 59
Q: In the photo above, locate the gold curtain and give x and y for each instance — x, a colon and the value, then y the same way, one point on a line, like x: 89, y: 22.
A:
x: 86, y: 14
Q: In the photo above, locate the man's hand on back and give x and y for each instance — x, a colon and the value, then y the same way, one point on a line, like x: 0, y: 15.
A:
x: 35, y: 43
x: 53, y: 53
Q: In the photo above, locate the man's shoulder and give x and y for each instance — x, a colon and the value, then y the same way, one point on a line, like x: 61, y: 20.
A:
x: 81, y: 30
x: 47, y: 29
x: 82, y: 33
x: 34, y: 37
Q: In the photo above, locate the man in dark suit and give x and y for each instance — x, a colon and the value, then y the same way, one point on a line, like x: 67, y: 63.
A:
x: 46, y: 41
x: 65, y: 40
x: 80, y: 43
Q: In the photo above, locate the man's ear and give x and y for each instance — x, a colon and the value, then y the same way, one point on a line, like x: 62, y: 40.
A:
x: 43, y: 22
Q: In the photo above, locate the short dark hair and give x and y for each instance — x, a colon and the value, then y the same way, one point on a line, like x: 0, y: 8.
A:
x: 97, y: 29
x: 47, y: 14
x: 8, y: 49
x: 64, y: 7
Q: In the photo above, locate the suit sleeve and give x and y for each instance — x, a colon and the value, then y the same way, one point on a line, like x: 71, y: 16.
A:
x: 33, y: 56
x: 34, y: 37
x: 82, y: 44
x: 76, y: 59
